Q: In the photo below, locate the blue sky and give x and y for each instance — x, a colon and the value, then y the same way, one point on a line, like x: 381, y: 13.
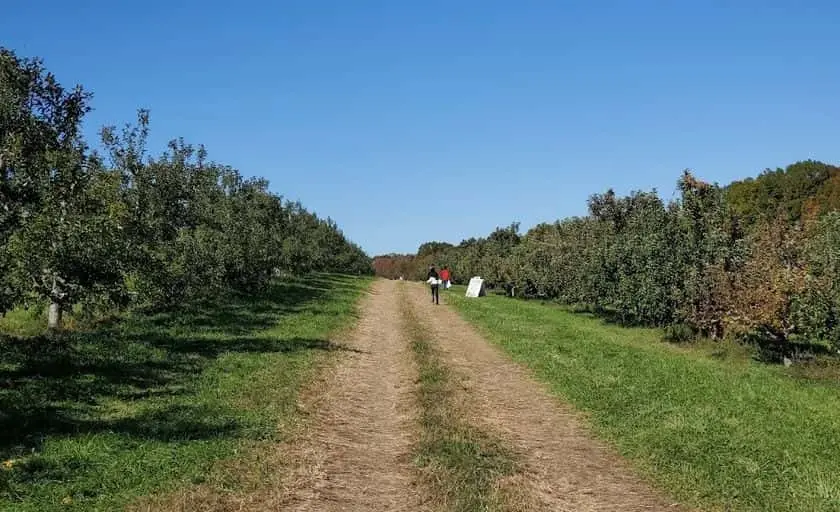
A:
x: 440, y: 120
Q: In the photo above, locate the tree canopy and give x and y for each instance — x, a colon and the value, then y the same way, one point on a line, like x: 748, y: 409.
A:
x: 758, y: 258
x: 76, y: 226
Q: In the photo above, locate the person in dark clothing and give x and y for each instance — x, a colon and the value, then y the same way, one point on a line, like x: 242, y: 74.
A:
x: 434, y: 281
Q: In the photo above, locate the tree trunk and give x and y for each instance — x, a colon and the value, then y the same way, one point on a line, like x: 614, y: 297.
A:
x: 54, y: 322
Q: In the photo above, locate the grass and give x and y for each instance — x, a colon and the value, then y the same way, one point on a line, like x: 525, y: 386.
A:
x: 709, y: 425
x: 150, y: 402
x: 461, y: 464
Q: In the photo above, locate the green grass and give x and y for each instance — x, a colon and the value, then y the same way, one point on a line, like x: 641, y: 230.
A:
x: 461, y: 463
x: 708, y: 425
x: 149, y: 402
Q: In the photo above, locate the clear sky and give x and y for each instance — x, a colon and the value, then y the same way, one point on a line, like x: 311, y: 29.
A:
x: 410, y: 121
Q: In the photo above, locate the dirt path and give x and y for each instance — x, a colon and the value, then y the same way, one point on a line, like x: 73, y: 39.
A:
x: 356, y: 452
x: 357, y: 456
x: 565, y: 469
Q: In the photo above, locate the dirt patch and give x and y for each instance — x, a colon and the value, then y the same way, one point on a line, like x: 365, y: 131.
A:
x: 564, y: 467
x: 356, y: 452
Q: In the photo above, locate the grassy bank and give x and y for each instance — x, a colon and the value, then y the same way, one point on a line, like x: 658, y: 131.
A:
x: 149, y: 402
x: 461, y: 463
x: 720, y: 432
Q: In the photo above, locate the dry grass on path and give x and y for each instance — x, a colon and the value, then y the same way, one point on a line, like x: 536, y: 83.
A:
x: 361, y: 445
x: 461, y: 465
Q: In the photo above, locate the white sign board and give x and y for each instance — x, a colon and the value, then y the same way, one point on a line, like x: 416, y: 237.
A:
x: 476, y: 287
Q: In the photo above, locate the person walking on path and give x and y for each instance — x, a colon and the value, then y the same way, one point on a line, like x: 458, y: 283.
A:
x: 444, y: 277
x: 434, y: 281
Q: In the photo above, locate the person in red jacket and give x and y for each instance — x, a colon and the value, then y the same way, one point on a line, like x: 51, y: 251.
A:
x: 445, y: 276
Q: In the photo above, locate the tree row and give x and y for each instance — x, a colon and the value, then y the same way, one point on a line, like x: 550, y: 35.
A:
x: 759, y: 259
x: 82, y: 227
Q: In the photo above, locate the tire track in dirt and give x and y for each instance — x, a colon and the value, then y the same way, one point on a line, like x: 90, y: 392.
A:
x: 565, y: 468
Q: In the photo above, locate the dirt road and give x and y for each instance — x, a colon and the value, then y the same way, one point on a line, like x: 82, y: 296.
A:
x: 359, y: 451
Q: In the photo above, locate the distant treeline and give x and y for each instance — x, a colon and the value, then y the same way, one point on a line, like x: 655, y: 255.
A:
x: 80, y: 227
x: 758, y: 258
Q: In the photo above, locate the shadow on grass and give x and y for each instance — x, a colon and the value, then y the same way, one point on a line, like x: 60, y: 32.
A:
x: 761, y: 347
x: 775, y: 351
x: 235, y: 313
x: 62, y: 386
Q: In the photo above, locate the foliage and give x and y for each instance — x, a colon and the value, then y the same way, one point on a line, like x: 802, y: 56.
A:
x: 75, y: 227
x: 790, y: 192
x: 817, y: 309
x: 394, y: 266
x: 756, y: 260
x: 765, y: 288
x: 43, y: 170
x: 485, y: 257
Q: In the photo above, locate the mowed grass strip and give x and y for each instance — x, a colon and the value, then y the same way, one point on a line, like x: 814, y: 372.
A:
x: 461, y: 464
x: 722, y: 434
x: 152, y: 401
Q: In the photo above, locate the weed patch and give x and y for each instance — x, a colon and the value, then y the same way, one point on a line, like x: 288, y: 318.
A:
x: 462, y: 464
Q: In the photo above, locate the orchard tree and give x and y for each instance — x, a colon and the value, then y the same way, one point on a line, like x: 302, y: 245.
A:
x: 72, y: 246
x: 817, y: 310
x: 60, y: 219
x: 704, y: 250
x: 37, y: 118
x: 763, y: 292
